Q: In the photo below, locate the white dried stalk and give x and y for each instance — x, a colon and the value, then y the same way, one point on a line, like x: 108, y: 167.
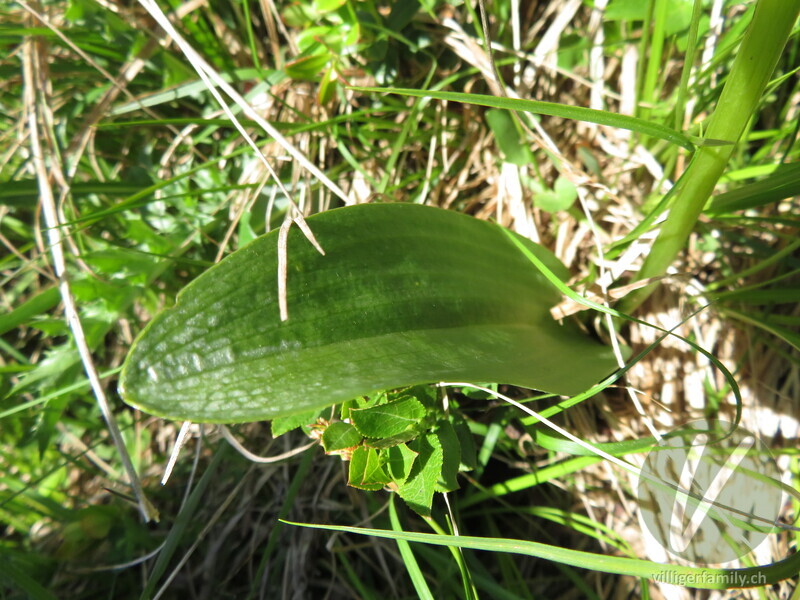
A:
x: 56, y: 241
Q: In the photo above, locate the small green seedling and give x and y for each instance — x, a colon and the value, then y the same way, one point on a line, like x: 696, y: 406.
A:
x: 402, y: 441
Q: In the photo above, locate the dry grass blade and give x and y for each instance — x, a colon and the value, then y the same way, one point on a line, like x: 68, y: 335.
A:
x: 212, y: 80
x: 569, y: 307
x: 33, y: 82
x: 209, y: 75
x: 180, y: 440
x: 262, y: 460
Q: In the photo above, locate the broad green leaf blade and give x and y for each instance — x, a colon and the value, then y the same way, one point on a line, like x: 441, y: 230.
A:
x: 405, y: 294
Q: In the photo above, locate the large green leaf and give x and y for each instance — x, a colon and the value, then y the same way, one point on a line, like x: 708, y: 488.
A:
x: 405, y: 294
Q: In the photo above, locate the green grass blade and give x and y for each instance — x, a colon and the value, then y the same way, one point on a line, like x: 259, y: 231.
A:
x: 409, y: 560
x: 653, y: 50
x: 17, y: 577
x: 787, y: 335
x: 577, y: 113
x: 529, y: 480
x: 697, y: 577
x: 785, y: 295
x: 40, y: 303
x: 25, y: 192
x: 194, y: 88
x: 182, y: 524
x: 688, y: 64
x: 755, y: 61
x: 783, y: 183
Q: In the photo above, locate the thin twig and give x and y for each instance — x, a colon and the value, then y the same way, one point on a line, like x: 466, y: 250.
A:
x: 487, y: 40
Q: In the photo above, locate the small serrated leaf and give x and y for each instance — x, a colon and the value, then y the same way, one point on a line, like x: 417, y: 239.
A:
x: 398, y: 462
x: 386, y: 420
x: 368, y: 401
x: 394, y: 440
x: 417, y: 491
x: 281, y: 425
x: 340, y: 436
x: 451, y: 457
x: 428, y: 395
x: 366, y: 471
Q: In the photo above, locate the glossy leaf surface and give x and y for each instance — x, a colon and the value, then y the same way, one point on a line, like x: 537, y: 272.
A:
x: 405, y: 294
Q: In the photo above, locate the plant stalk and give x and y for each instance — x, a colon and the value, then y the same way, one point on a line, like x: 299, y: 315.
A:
x: 752, y: 68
